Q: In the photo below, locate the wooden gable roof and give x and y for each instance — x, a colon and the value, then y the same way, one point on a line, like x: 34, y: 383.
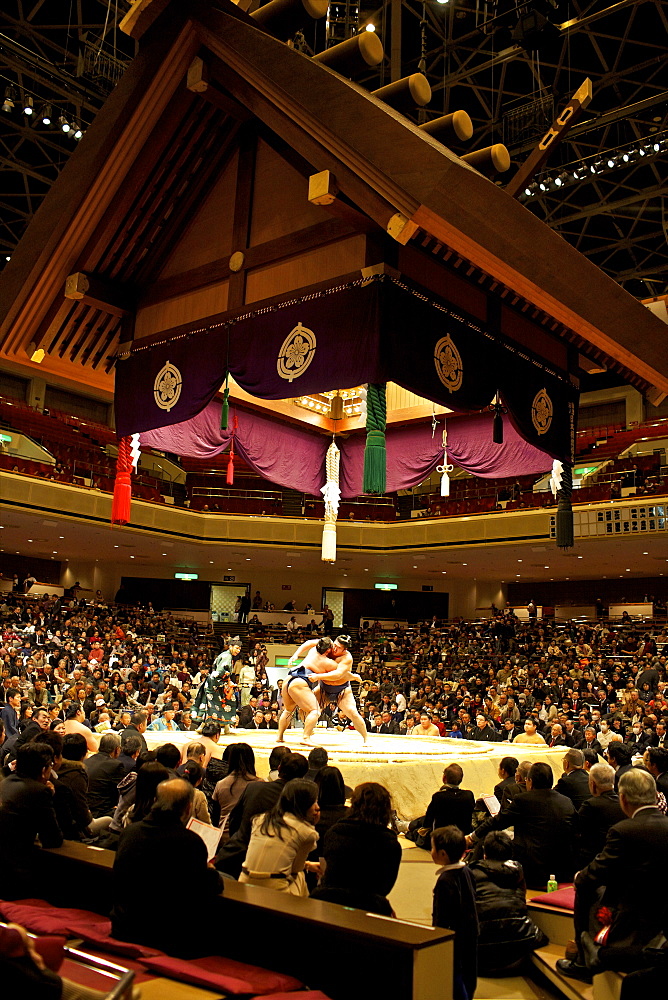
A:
x: 158, y: 151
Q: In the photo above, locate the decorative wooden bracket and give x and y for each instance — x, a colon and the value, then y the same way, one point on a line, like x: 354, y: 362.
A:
x: 96, y: 292
x: 535, y: 160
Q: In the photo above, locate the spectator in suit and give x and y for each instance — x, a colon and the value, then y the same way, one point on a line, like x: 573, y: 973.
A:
x: 9, y: 713
x: 637, y: 740
x: 589, y: 742
x: 149, y: 848
x: 137, y: 727
x: 619, y: 757
x: 542, y: 819
x: 387, y: 727
x: 27, y: 812
x: 596, y: 815
x: 655, y: 760
x: 558, y: 738
x: 574, y: 782
x: 450, y: 806
x: 130, y: 750
x: 635, y: 886
x: 518, y: 785
x: 104, y: 773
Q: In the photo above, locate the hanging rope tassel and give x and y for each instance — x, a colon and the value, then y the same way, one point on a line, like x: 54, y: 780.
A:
x: 332, y: 495
x: 564, y: 532
x: 445, y: 468
x: 122, y: 502
x: 375, y: 454
x: 230, y: 461
x: 225, y: 409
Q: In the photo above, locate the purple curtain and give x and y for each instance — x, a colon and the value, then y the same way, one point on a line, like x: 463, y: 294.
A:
x: 412, y: 453
x: 294, y: 457
x: 281, y: 453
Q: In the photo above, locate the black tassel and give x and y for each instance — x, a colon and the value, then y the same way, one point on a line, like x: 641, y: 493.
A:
x: 497, y: 425
x: 564, y: 532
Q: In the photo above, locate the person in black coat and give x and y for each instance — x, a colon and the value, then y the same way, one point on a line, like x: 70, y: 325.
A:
x: 454, y: 907
x: 507, y: 771
x: 574, y: 782
x: 630, y: 871
x: 27, y: 812
x: 507, y: 933
x: 483, y: 731
x: 596, y: 815
x: 362, y: 855
x: 655, y: 760
x: 452, y: 805
x: 104, y: 774
x: 619, y: 756
x: 146, y: 851
x: 542, y: 819
x: 137, y: 727
x: 590, y: 742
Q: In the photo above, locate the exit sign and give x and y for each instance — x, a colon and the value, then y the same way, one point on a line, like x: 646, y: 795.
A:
x: 186, y: 576
x: 229, y: 579
x: 286, y: 586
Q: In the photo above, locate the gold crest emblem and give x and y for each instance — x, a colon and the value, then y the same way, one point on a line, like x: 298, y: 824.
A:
x: 296, y: 353
x: 448, y: 364
x: 167, y: 387
x: 542, y: 412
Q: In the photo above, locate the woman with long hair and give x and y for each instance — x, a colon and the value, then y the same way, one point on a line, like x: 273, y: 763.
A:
x: 361, y: 854
x: 228, y: 791
x: 149, y: 777
x: 282, y: 839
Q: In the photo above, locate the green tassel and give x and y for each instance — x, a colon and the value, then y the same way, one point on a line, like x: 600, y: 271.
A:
x: 375, y: 453
x: 225, y: 409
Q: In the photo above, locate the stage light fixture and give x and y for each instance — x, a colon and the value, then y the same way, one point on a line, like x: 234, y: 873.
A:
x: 78, y: 134
x: 28, y: 106
x: 64, y: 124
x: 45, y: 117
x: 8, y: 103
x: 369, y: 27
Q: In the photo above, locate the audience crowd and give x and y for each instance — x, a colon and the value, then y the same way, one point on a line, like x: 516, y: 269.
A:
x: 83, y: 682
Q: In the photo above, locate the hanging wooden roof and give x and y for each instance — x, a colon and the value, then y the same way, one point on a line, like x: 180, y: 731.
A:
x: 181, y: 203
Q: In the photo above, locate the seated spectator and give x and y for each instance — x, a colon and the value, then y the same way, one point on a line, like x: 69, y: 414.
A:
x: 282, y: 839
x: 130, y: 751
x: 147, y: 851
x: 258, y: 797
x: 484, y: 732
x: 507, y: 933
x: 317, y: 759
x: 169, y: 756
x: 506, y: 772
x: 655, y: 760
x: 228, y: 791
x: 627, y: 872
x: 596, y: 815
x: 455, y: 907
x: 590, y: 742
x: 361, y: 853
x: 450, y: 806
x: 165, y: 723
x: 574, y: 782
x: 104, y: 774
x: 27, y: 812
x: 194, y: 774
x: 73, y: 776
x: 620, y: 759
x: 542, y: 819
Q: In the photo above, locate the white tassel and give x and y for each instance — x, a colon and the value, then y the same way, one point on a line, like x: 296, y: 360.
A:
x: 135, y: 450
x: 555, y: 478
x: 332, y: 495
x: 445, y: 468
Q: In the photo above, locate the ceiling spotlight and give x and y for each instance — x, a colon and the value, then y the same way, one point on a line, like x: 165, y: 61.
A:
x: 78, y: 134
x: 28, y: 106
x: 370, y: 27
x: 45, y: 117
x: 64, y: 125
x: 8, y: 103
x: 543, y: 186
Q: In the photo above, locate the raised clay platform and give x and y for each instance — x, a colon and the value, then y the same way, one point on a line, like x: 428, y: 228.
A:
x: 410, y: 767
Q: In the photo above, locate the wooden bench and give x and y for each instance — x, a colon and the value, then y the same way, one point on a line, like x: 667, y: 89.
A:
x: 332, y: 948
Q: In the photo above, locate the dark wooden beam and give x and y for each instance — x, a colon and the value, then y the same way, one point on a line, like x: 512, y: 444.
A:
x: 273, y: 251
x: 94, y: 291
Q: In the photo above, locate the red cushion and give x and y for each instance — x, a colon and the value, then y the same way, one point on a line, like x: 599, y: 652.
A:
x: 129, y: 949
x: 218, y: 973
x: 563, y: 898
x: 51, y: 950
x: 54, y: 920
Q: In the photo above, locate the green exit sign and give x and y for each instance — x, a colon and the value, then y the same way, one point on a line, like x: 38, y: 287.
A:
x: 6, y: 437
x: 385, y: 586
x: 186, y: 576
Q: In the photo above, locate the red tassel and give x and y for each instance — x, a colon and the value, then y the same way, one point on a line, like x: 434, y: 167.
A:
x: 122, y: 502
x: 230, y: 467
